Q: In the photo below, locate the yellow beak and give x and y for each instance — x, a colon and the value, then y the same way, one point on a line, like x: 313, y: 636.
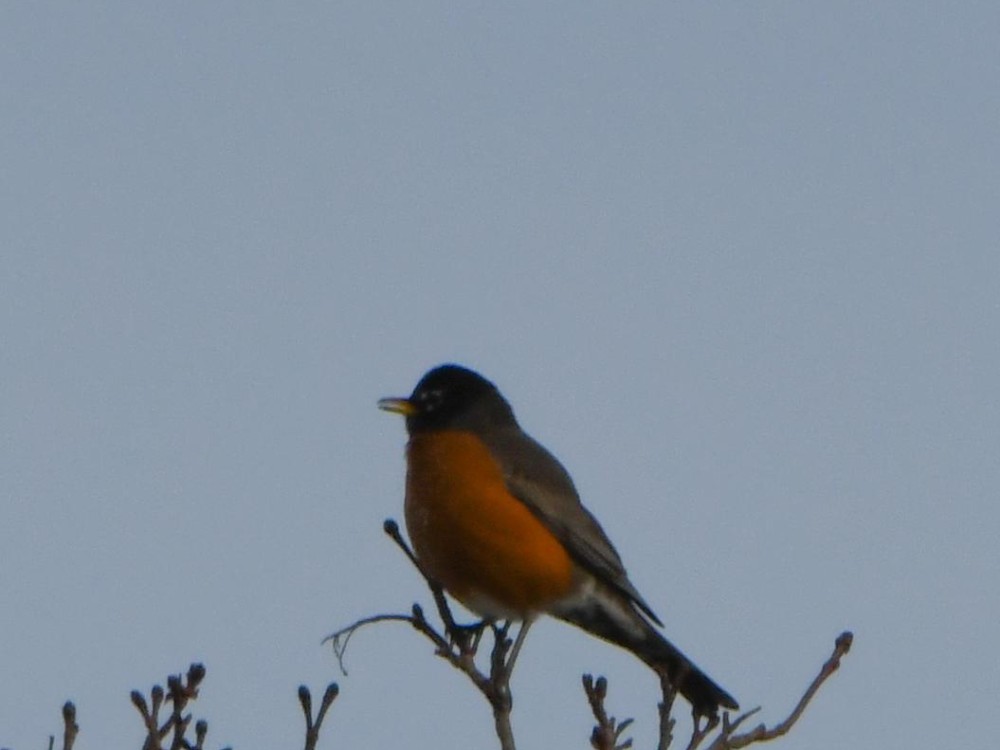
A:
x: 398, y: 406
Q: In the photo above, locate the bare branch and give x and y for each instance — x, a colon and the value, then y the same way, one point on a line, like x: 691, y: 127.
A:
x: 761, y: 733
x: 703, y: 726
x: 455, y: 643
x: 181, y: 690
x: 607, y: 734
x: 665, y: 707
x: 313, y: 726
x: 458, y: 632
x: 70, y: 727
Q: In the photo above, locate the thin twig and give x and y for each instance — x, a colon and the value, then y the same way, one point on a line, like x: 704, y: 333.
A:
x: 339, y: 639
x: 761, y: 733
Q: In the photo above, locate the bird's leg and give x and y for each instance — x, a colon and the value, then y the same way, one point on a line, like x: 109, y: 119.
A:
x: 518, y: 642
x: 502, y: 662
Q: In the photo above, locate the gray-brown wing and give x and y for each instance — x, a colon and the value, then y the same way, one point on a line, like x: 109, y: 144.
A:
x: 536, y: 477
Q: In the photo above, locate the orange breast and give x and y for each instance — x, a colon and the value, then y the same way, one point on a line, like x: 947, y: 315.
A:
x: 472, y: 536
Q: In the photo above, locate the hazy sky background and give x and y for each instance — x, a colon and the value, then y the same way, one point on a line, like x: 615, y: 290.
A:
x: 736, y: 264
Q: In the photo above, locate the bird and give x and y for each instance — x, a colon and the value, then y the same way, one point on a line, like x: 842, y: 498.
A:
x: 495, y: 519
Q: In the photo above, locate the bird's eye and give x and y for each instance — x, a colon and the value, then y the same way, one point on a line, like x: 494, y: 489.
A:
x: 431, y: 400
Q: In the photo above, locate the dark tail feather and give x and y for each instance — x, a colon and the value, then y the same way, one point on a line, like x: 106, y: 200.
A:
x: 625, y: 627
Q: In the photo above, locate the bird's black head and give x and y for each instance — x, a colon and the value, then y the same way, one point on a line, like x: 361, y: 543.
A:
x: 452, y: 397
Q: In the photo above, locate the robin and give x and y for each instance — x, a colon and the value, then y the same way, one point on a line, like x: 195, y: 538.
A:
x: 495, y: 519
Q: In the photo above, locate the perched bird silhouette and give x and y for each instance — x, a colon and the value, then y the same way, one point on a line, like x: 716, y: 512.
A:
x: 495, y: 519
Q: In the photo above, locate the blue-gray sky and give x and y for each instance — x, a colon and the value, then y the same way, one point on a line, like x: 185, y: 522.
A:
x: 736, y: 264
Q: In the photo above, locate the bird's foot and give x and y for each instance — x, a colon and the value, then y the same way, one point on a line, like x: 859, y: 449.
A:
x: 466, y: 637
